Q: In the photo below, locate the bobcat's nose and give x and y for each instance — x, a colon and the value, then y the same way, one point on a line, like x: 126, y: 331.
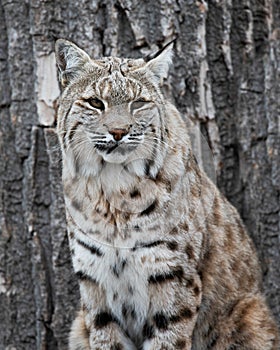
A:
x: 118, y: 134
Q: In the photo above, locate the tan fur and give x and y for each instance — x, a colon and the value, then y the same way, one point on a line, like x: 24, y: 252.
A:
x: 79, y: 336
x: 163, y: 259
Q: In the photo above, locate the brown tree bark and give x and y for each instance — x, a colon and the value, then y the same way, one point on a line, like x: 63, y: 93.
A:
x: 225, y: 80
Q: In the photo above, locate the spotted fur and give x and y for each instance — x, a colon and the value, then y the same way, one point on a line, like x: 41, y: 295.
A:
x: 163, y: 260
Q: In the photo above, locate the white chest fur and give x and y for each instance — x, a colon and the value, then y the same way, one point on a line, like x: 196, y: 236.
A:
x: 123, y: 275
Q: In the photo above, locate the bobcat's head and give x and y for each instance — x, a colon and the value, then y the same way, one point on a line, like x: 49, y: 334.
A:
x: 111, y: 109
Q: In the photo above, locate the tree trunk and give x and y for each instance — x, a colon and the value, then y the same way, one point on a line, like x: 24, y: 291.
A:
x: 226, y: 82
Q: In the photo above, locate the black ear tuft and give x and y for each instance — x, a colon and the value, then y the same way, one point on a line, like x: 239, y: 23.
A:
x: 158, y: 62
x: 153, y: 55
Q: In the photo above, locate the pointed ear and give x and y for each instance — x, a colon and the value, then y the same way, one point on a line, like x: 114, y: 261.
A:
x: 159, y: 62
x: 70, y: 60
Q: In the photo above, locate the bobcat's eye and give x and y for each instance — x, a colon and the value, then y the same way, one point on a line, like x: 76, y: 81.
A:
x: 138, y: 104
x: 95, y: 103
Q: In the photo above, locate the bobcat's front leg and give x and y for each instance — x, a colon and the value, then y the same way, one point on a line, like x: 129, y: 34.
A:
x: 105, y: 335
x: 79, y: 335
x: 95, y: 327
x: 175, y: 300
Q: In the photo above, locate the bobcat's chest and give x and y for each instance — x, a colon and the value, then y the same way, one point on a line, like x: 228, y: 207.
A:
x: 123, y: 279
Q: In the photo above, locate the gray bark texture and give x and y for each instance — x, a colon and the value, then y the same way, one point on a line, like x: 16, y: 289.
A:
x: 226, y: 82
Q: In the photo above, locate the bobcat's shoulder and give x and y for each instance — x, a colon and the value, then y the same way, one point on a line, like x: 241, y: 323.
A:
x: 163, y: 260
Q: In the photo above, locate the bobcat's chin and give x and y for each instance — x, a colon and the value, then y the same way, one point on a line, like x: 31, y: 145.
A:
x: 116, y: 158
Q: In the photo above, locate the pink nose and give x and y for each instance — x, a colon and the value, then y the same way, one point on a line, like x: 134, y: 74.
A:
x: 118, y: 134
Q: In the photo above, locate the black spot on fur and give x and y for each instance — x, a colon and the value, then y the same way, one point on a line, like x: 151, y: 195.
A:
x: 189, y: 251
x: 196, y: 290
x: 174, y: 231
x: 115, y: 296
x: 128, y: 311
x: 118, y: 268
x: 103, y: 319
x: 172, y: 245
x: 123, y: 264
x: 150, y: 209
x: 130, y: 290
x: 189, y: 282
x: 133, y: 313
x: 161, y: 321
x: 126, y: 216
x: 147, y: 245
x: 185, y: 227
x: 168, y: 186
x: 116, y: 271
x: 152, y: 244
x: 124, y: 311
x: 135, y: 193
x: 91, y: 248
x: 185, y: 313
x: 180, y: 344
x: 177, y: 272
x: 147, y: 167
x: 200, y: 274
x: 148, y: 331
x: 159, y: 278
x: 84, y: 277
x: 117, y: 346
x: 77, y: 205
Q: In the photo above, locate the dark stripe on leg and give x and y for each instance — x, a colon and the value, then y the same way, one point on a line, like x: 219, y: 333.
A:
x: 161, y: 321
x: 177, y: 272
x: 183, y: 314
x: 103, y: 319
x: 148, y: 331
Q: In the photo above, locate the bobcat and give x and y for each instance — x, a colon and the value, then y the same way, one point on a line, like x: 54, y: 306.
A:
x: 162, y: 258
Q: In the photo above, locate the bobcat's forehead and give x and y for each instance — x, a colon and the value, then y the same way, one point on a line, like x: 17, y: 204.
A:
x: 115, y: 82
x: 124, y: 65
x: 117, y: 88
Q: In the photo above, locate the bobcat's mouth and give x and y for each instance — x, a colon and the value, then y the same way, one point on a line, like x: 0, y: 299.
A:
x: 114, y: 152
x: 107, y: 148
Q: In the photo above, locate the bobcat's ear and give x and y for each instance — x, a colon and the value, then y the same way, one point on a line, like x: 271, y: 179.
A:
x: 70, y: 60
x: 159, y: 62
